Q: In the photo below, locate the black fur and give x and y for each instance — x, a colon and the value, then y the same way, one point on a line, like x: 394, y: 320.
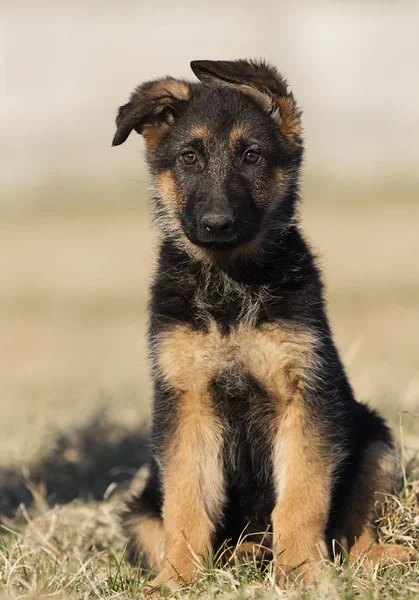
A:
x: 348, y: 426
x: 281, y: 278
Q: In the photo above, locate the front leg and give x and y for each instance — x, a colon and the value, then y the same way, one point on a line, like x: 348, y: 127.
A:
x: 191, y: 457
x: 303, y: 492
x: 193, y: 489
x: 285, y: 359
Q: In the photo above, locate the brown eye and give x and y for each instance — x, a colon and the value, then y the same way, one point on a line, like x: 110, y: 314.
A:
x: 189, y: 158
x: 251, y: 157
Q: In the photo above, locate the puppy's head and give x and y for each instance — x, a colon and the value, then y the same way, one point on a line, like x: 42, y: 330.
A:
x: 224, y: 154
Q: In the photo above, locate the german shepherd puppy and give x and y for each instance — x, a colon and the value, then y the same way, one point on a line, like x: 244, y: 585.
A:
x: 256, y: 430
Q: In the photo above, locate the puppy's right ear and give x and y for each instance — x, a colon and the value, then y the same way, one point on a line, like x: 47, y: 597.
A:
x: 151, y: 110
x: 262, y: 82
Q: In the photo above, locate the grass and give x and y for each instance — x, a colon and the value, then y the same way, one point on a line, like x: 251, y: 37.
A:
x: 62, y: 537
x: 76, y: 550
x: 85, y: 462
x: 74, y: 379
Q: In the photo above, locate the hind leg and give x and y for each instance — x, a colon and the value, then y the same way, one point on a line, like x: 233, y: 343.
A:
x: 374, y: 480
x: 143, y: 525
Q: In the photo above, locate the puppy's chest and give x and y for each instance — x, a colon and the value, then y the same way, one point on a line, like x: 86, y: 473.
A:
x: 275, y: 357
x: 217, y: 298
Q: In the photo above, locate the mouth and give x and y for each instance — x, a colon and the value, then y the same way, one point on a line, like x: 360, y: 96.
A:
x: 218, y: 243
x: 224, y: 244
x: 218, y: 246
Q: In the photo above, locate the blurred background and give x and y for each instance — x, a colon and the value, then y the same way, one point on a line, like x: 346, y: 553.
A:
x: 76, y: 247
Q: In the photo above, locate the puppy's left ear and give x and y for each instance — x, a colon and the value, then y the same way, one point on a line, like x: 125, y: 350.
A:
x: 152, y: 109
x: 260, y: 81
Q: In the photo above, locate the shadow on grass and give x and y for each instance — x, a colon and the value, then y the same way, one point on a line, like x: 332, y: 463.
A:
x: 82, y: 463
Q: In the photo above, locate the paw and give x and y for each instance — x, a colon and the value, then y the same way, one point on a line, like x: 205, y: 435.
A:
x: 172, y: 578
x: 251, y: 551
x: 388, y: 554
x: 306, y: 572
x: 167, y: 579
x: 284, y: 574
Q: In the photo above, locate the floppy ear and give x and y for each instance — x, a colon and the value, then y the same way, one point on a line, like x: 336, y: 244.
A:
x: 260, y: 81
x: 151, y: 109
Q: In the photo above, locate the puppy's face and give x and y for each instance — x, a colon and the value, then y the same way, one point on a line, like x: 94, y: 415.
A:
x: 224, y: 154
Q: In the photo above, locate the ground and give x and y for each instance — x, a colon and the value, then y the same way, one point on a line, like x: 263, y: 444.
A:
x: 74, y: 381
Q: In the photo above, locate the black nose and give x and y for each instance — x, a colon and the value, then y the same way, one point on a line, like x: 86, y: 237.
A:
x: 217, y: 223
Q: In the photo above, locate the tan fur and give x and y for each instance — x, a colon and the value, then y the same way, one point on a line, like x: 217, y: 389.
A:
x: 149, y: 536
x: 281, y: 360
x: 290, y: 121
x: 298, y: 520
x: 282, y: 110
x: 179, y: 90
x: 268, y: 197
x: 168, y: 190
x: 303, y: 484
x: 162, y: 93
x: 271, y: 354
x: 237, y: 133
x: 192, y: 466
x: 265, y: 100
x: 253, y: 551
x: 168, y: 88
x: 278, y: 358
x: 168, y: 223
x: 203, y: 133
x: 373, y: 482
x: 282, y: 179
x: 154, y: 135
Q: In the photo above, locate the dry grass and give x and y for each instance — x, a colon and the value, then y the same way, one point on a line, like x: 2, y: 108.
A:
x: 76, y: 551
x: 86, y: 462
x: 73, y: 298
